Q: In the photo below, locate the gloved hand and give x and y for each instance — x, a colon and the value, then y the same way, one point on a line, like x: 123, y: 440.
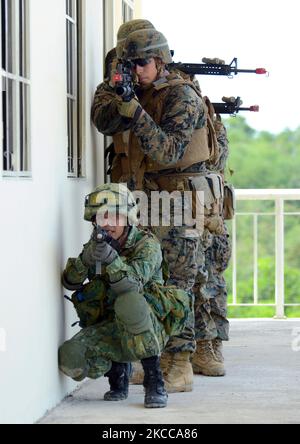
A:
x: 104, y: 253
x: 129, y: 109
x: 88, y: 254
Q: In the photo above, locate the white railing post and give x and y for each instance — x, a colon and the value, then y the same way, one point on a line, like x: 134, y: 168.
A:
x: 255, y: 258
x: 280, y: 259
x: 234, y: 262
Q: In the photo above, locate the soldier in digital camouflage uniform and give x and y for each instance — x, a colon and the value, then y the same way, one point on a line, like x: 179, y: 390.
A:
x: 211, y: 324
x: 136, y: 314
x: 161, y: 144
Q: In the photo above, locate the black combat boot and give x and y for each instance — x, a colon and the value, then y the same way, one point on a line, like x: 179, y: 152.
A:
x: 155, y: 394
x: 118, y: 377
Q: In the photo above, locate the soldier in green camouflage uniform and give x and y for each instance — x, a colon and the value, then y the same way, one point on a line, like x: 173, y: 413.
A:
x: 164, y: 142
x: 211, y: 324
x: 136, y: 313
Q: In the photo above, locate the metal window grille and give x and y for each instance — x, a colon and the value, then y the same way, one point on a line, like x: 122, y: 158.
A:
x: 15, y: 88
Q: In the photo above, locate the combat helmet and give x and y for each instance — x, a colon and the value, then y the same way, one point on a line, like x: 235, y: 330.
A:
x: 126, y: 29
x: 145, y: 44
x: 113, y: 198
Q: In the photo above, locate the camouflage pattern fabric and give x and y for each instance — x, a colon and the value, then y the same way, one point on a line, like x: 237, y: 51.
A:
x: 210, y: 288
x: 145, y: 44
x: 104, y: 114
x: 90, y: 352
x: 210, y: 291
x: 180, y: 253
x: 166, y: 142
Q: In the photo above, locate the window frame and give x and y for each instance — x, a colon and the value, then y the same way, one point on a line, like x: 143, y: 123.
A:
x: 18, y: 79
x: 127, y: 10
x: 76, y: 153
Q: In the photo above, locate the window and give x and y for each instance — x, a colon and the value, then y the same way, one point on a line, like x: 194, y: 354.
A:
x: 127, y: 10
x: 74, y: 87
x: 15, y: 88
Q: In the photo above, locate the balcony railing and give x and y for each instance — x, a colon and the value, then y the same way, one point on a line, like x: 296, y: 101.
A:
x: 279, y: 197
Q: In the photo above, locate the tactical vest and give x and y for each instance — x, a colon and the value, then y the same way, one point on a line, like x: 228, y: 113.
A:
x: 131, y: 160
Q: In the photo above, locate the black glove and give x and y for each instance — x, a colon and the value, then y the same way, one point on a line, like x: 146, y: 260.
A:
x: 104, y: 253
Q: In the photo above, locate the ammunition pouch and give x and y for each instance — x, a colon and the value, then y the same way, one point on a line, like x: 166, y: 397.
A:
x: 229, y: 206
x: 211, y: 202
x: 89, y: 302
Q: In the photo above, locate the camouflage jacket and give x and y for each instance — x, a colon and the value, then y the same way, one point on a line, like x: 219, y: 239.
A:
x: 140, y: 259
x: 165, y: 142
x: 104, y: 114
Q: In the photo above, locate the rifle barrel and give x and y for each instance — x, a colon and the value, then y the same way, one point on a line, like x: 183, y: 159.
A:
x: 210, y: 69
x: 229, y: 108
x: 252, y: 71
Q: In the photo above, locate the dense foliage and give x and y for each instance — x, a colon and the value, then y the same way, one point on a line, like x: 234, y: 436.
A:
x: 264, y: 160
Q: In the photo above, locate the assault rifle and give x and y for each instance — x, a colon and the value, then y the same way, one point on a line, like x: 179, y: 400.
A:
x: 103, y: 236
x: 123, y: 79
x: 214, y: 67
x: 232, y: 105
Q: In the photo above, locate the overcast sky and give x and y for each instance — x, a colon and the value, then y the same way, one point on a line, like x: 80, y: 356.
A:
x: 260, y: 33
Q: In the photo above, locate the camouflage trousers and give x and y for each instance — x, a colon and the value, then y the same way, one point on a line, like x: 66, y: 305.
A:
x: 90, y: 353
x: 210, y: 290
x: 180, y: 253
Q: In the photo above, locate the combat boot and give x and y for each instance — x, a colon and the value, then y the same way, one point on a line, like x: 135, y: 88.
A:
x: 218, y: 349
x: 166, y: 362
x: 137, y: 377
x: 179, y: 375
x: 118, y: 377
x: 205, y: 362
x: 155, y: 393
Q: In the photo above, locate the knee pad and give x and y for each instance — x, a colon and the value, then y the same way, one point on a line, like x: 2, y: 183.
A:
x: 133, y: 312
x: 72, y: 361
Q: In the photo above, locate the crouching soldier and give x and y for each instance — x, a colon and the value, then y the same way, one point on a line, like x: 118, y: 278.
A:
x: 125, y: 312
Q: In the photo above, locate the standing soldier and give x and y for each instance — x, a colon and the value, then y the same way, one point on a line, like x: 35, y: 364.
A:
x: 211, y: 324
x: 165, y: 148
x: 105, y: 98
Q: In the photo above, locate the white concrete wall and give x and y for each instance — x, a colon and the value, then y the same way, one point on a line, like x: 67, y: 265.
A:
x: 42, y: 222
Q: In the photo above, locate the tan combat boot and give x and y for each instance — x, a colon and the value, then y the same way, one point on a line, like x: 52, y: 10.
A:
x: 178, y: 374
x: 166, y: 362
x: 218, y: 349
x: 205, y: 361
x: 137, y: 376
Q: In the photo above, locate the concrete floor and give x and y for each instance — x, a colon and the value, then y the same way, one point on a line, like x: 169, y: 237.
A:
x: 262, y: 386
